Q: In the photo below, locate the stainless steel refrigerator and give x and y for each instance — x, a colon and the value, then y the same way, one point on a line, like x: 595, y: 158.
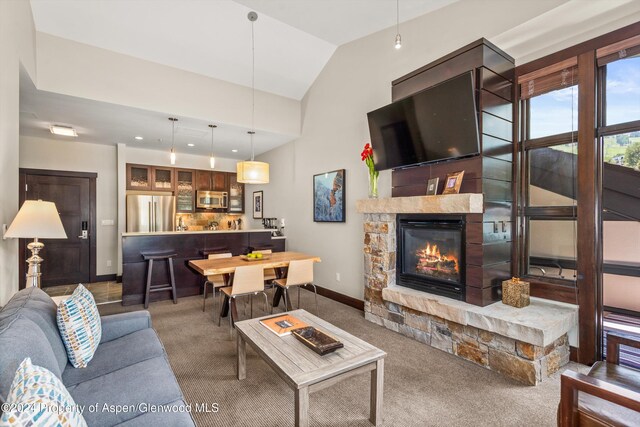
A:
x: 146, y: 213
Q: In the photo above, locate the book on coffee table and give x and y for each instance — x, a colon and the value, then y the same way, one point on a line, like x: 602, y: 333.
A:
x: 283, y: 324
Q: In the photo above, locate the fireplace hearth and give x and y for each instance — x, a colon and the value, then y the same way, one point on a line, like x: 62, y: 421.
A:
x: 430, y: 254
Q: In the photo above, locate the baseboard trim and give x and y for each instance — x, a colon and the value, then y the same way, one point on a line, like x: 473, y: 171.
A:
x: 106, y: 278
x: 336, y: 296
x: 119, y: 279
x: 573, y: 354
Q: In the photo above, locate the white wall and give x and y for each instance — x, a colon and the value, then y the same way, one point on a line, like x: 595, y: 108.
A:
x: 80, y: 156
x: 356, y: 80
x: 17, y: 48
x: 77, y: 69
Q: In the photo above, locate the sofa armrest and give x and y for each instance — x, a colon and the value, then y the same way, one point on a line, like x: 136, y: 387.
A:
x: 573, y: 382
x: 118, y: 325
x: 614, y: 341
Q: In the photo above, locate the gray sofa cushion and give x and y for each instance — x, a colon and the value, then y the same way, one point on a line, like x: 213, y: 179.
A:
x: 148, y: 382
x: 116, y: 354
x: 21, y: 338
x: 35, y: 305
x: 155, y: 419
x: 121, y: 324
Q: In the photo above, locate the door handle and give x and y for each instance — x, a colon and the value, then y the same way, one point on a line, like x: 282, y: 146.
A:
x: 84, y: 231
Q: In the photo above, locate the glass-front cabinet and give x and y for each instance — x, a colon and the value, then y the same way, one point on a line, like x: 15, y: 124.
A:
x: 162, y: 179
x: 236, y: 195
x: 185, y: 190
x: 138, y: 177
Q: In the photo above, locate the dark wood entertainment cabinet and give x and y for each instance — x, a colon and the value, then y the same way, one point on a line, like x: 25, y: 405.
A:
x: 488, y: 235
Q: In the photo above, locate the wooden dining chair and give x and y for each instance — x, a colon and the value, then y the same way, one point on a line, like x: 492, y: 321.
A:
x: 300, y: 274
x: 216, y: 281
x: 247, y: 281
x: 269, y: 273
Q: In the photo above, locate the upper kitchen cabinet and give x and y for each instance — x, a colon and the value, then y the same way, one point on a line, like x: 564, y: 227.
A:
x: 185, y: 190
x: 145, y: 178
x: 162, y: 179
x: 139, y: 177
x: 208, y: 180
x: 236, y: 194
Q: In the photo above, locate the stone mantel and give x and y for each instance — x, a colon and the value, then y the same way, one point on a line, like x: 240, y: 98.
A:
x: 466, y: 203
x: 539, y: 324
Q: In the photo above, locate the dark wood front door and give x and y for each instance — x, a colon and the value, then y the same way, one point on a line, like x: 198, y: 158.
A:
x: 71, y: 260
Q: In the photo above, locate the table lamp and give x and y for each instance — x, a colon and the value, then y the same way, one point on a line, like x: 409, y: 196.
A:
x: 37, y: 220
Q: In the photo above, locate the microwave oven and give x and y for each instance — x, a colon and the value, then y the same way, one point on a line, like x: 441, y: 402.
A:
x: 211, y: 199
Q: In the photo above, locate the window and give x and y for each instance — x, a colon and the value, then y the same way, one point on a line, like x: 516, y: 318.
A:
x: 619, y: 138
x: 549, y: 123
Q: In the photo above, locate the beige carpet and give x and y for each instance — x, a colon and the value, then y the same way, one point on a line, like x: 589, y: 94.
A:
x: 423, y: 386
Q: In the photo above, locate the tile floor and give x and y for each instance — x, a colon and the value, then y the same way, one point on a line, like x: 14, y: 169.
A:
x: 103, y: 292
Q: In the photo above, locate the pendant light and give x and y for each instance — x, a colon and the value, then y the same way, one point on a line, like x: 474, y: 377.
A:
x: 212, y: 160
x: 398, y: 37
x: 172, y: 155
x: 250, y: 171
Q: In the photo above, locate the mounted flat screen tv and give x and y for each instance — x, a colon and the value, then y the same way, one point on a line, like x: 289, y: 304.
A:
x: 435, y: 124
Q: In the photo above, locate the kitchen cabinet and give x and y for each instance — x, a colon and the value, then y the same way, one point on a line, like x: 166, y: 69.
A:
x: 162, y: 179
x: 236, y: 194
x: 210, y: 180
x: 139, y: 177
x: 145, y: 177
x: 185, y: 190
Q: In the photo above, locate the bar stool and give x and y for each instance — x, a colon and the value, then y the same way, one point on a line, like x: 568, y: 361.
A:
x: 150, y: 258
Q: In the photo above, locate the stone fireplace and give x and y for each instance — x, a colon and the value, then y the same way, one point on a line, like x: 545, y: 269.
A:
x: 527, y: 344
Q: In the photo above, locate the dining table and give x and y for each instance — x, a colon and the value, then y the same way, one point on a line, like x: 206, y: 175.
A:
x: 279, y: 261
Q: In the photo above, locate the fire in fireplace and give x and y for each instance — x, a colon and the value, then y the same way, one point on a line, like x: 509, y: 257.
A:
x: 431, y: 254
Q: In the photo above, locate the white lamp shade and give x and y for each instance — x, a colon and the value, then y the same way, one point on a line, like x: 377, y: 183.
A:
x: 37, y: 219
x: 250, y: 172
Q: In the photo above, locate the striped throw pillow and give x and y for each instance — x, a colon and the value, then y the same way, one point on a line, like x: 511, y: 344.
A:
x: 79, y: 326
x: 38, y: 398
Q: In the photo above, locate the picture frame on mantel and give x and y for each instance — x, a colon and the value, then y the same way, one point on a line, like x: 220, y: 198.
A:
x: 453, y: 183
x: 258, y: 205
x: 329, y: 196
x: 432, y: 186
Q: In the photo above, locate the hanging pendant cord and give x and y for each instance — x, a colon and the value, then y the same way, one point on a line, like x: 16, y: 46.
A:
x: 397, y: 17
x: 253, y: 89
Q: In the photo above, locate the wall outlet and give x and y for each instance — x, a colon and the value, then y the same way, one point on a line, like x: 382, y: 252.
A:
x: 337, y: 277
x: 108, y: 263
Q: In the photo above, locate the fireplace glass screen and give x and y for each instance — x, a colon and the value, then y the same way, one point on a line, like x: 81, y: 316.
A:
x: 433, y: 253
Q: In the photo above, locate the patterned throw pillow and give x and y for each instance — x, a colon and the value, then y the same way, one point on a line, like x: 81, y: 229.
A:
x: 38, y: 398
x: 80, y: 327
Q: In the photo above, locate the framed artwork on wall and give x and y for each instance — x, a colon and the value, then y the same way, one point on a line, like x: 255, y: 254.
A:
x: 329, y: 196
x: 258, y: 205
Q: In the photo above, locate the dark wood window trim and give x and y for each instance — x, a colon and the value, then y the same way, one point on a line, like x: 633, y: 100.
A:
x: 589, y: 257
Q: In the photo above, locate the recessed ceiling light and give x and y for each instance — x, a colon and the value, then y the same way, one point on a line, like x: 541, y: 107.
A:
x: 63, y: 130
x: 191, y: 145
x: 139, y: 138
x: 234, y: 151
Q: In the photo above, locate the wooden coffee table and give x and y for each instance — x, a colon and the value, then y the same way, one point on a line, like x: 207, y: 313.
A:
x: 306, y: 371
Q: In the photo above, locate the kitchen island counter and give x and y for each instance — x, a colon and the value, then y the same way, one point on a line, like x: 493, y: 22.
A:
x: 187, y: 245
x: 171, y: 233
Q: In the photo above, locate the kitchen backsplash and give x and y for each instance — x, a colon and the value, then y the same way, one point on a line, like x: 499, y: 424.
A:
x: 201, y: 220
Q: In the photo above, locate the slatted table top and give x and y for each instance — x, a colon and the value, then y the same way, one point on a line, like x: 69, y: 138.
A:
x: 211, y: 267
x: 297, y: 364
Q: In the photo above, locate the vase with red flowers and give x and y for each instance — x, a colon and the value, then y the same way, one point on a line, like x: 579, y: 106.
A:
x: 367, y: 158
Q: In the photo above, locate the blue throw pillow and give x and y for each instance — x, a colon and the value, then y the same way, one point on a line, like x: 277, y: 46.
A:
x: 38, y: 398
x: 80, y: 328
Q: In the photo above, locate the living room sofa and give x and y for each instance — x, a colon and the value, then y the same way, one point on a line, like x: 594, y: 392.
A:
x: 128, y: 376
